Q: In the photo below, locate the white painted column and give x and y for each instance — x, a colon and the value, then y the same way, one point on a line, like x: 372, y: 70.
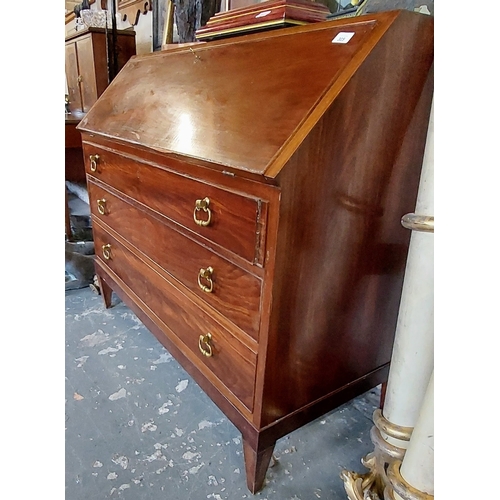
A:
x: 413, y: 353
x: 417, y: 468
x: 410, y: 386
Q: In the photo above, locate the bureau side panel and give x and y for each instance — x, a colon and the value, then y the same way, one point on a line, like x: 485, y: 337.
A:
x: 341, y: 249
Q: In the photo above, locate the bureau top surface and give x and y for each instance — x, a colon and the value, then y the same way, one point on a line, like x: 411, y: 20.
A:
x: 246, y: 102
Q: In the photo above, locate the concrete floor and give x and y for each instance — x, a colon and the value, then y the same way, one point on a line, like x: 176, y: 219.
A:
x: 139, y: 428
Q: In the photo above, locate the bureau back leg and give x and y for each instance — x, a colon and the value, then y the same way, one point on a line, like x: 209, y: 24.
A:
x: 256, y: 465
x: 105, y: 292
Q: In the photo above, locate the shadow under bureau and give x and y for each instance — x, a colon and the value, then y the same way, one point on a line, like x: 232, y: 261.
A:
x: 246, y: 197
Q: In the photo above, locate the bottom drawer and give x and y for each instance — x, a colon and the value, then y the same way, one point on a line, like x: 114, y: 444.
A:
x: 203, y: 341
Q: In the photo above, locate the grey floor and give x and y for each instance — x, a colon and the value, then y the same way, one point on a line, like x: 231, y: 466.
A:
x: 139, y: 428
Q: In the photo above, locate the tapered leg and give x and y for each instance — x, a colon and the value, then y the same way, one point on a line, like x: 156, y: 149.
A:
x: 256, y: 465
x: 105, y: 292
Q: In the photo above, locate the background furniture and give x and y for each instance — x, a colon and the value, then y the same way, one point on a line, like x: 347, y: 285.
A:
x: 246, y: 197
x: 87, y: 66
x: 87, y: 78
x: 74, y: 168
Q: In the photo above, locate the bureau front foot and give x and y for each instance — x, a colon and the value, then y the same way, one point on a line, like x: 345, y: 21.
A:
x: 106, y: 292
x: 256, y: 465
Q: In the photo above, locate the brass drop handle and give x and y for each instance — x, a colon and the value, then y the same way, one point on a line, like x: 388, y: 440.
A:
x: 101, y: 206
x: 106, y: 251
x: 202, y: 205
x: 93, y: 162
x: 204, y: 345
x: 206, y: 274
x: 79, y: 79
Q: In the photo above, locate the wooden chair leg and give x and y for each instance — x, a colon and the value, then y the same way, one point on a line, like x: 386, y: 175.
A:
x: 256, y: 465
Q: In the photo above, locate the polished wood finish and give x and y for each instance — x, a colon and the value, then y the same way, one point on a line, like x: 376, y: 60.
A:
x: 243, y: 127
x: 321, y: 155
x: 232, y: 363
x: 86, y: 64
x: 183, y: 258
x: 243, y: 215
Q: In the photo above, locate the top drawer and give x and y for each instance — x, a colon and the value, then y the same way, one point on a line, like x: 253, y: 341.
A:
x: 234, y: 221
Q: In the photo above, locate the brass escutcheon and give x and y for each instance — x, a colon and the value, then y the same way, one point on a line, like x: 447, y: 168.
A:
x: 101, y: 206
x: 206, y: 274
x: 106, y: 251
x: 93, y: 162
x: 202, y: 205
x: 204, y: 345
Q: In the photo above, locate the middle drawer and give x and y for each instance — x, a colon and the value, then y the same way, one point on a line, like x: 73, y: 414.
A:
x: 229, y: 289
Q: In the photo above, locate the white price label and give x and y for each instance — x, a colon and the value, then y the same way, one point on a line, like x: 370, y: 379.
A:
x: 263, y: 14
x: 343, y: 37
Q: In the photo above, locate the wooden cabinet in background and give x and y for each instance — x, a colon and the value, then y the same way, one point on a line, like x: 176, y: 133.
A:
x: 87, y: 77
x: 246, y: 198
x: 87, y: 64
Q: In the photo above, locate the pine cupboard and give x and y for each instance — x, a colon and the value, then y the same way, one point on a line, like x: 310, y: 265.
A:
x: 86, y: 63
x: 246, y: 197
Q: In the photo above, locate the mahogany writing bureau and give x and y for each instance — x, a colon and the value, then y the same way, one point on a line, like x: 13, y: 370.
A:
x: 246, y: 197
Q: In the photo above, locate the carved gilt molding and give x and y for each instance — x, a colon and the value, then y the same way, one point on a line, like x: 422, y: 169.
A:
x: 374, y: 484
x: 400, y: 486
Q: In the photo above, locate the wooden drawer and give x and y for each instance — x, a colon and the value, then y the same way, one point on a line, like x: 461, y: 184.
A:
x: 231, y: 362
x: 235, y: 221
x: 235, y: 293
